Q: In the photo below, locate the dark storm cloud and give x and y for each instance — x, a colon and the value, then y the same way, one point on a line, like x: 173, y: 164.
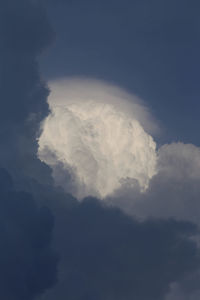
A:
x: 28, y: 263
x: 107, y: 255
x: 25, y: 32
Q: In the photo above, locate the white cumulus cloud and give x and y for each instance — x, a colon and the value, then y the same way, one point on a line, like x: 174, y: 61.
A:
x: 96, y: 135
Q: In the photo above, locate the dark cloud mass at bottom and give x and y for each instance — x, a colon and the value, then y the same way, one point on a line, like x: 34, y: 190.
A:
x: 104, y: 254
x: 107, y: 255
x: 28, y: 263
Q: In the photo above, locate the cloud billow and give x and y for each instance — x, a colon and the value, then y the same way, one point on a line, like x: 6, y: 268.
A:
x: 75, y: 135
x: 173, y: 192
x: 94, y: 134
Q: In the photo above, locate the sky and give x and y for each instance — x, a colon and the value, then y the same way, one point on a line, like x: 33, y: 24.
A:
x: 150, y: 48
x: 99, y: 156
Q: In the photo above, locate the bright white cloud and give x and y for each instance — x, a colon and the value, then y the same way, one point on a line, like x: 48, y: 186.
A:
x: 95, y: 144
x: 96, y: 134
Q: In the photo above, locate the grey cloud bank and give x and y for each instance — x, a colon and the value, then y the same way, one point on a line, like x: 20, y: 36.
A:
x: 173, y: 191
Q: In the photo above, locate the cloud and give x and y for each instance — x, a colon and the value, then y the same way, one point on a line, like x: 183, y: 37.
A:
x: 107, y: 255
x: 95, y: 144
x: 94, y: 135
x: 28, y: 262
x: 173, y: 192
x: 25, y: 33
x: 172, y: 189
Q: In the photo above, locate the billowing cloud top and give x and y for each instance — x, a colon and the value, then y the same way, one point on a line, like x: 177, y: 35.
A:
x: 94, y: 133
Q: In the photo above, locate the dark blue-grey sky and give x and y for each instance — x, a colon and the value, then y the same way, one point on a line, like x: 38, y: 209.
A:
x: 149, y: 47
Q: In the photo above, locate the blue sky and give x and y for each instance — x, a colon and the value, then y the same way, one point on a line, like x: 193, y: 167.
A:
x: 150, y: 48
